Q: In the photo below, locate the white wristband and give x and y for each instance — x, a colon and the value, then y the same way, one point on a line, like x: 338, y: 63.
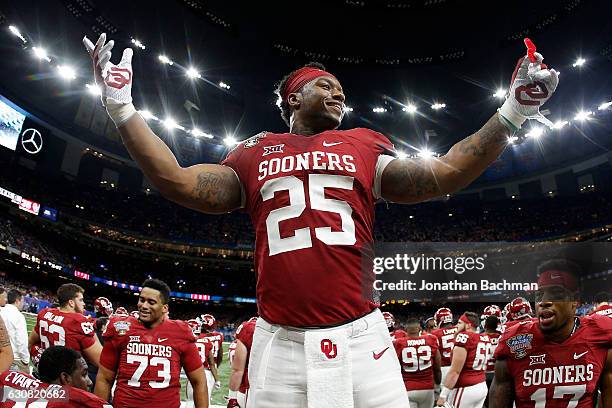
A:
x: 445, y: 392
x: 515, y: 118
x: 232, y: 394
x: 120, y: 113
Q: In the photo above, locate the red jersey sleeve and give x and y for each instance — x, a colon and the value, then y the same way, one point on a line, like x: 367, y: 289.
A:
x: 432, y: 341
x: 245, y: 334
x: 85, y: 332
x: 602, y: 329
x: 109, y: 357
x: 190, y: 357
x: 38, y: 317
x: 464, y: 340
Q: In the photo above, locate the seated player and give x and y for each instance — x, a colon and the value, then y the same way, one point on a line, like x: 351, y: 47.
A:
x: 465, y: 384
x: 239, y: 377
x: 62, y: 373
x: 146, y: 356
x: 66, y: 326
x: 394, y: 331
x: 557, y: 359
x: 420, y: 361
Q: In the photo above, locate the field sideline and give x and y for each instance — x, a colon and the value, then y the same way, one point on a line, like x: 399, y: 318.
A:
x: 224, y: 370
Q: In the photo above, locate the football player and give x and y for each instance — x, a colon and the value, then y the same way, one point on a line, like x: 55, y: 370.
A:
x: 66, y: 326
x: 209, y: 323
x: 63, y: 378
x: 394, y: 331
x: 205, y: 348
x: 239, y: 379
x: 311, y: 194
x: 146, y: 356
x: 603, y: 307
x: 519, y: 310
x: 465, y: 383
x: 491, y: 325
x: 419, y: 358
x: 446, y: 336
x: 557, y: 359
x: 103, y: 307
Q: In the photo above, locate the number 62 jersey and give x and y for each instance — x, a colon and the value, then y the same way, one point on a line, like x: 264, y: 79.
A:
x: 556, y: 375
x: 311, y: 200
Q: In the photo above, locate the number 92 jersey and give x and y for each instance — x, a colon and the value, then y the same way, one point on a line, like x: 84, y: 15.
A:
x: 556, y: 375
x: 311, y: 200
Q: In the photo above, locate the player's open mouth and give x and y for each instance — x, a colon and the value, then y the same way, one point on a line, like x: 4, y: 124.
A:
x: 546, y: 317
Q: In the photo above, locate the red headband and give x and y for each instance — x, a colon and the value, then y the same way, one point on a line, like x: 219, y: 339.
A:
x: 301, y: 77
x: 558, y: 278
x: 465, y: 320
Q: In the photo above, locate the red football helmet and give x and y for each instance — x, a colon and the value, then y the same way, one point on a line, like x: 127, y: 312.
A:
x: 135, y: 314
x: 253, y: 319
x: 195, y: 326
x: 121, y: 311
x: 208, y: 321
x: 103, y: 306
x: 519, y: 309
x: 492, y: 310
x: 443, y: 315
x: 389, y: 319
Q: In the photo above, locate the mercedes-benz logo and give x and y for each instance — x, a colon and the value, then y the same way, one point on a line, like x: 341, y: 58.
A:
x: 31, y: 141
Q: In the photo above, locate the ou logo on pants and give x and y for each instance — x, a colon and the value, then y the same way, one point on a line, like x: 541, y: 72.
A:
x: 329, y: 349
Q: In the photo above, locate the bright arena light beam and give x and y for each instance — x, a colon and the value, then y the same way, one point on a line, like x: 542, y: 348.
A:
x: 426, y: 154
x: 17, y: 33
x: 170, y: 124
x: 198, y: 133
x: 512, y: 139
x: 438, y: 106
x: 347, y: 109
x: 146, y: 115
x: 401, y: 155
x: 230, y: 141
x: 66, y: 72
x: 604, y: 106
x: 583, y: 115
x: 138, y: 44
x: 410, y: 108
x: 579, y: 62
x: 500, y: 93
x: 41, y: 53
x: 193, y: 73
x: 224, y: 85
x: 535, y: 132
x: 560, y: 124
x: 165, y: 60
x: 93, y: 89
x: 379, y: 110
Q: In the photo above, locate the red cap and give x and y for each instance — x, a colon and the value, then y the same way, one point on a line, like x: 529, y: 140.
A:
x: 558, y: 278
x: 301, y: 77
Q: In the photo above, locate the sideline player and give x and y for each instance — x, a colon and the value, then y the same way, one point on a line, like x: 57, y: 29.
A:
x: 465, y: 384
x: 62, y: 374
x: 311, y: 194
x: 207, y: 355
x: 519, y: 310
x: 491, y: 329
x: 604, y: 307
x: 209, y: 324
x: 66, y: 326
x: 239, y: 379
x: 394, y: 331
x: 145, y: 356
x: 445, y: 333
x: 557, y: 359
x: 419, y: 358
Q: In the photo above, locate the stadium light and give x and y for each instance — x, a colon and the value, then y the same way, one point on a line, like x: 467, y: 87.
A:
x: 138, y: 44
x: 401, y: 155
x: 379, y: 110
x: 41, y: 53
x: 535, y: 132
x: 410, y: 108
x: 560, y: 124
x: 583, y: 115
x: 66, y: 72
x: 17, y: 33
x: 512, y: 139
x: 438, y: 106
x: 193, y: 73
x: 171, y: 124
x: 425, y: 154
x: 93, y: 89
x: 500, y: 93
x: 230, y: 141
x: 224, y: 85
x: 579, y: 62
x: 165, y: 60
x: 604, y: 106
x: 347, y: 109
x: 146, y: 115
x: 198, y: 133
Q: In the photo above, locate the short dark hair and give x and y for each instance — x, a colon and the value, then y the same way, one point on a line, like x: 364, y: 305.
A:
x: 491, y: 322
x: 413, y: 321
x: 14, y: 295
x: 68, y: 291
x: 161, y: 286
x: 100, y: 322
x: 473, y: 318
x: 57, y: 360
x: 2, y: 289
x: 602, y: 297
x: 280, y: 89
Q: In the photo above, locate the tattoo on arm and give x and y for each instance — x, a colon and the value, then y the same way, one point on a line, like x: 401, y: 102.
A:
x: 493, y: 135
x: 4, y: 336
x: 413, y: 178
x: 212, y: 190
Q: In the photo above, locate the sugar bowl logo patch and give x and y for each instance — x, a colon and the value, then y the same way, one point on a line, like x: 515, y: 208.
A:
x: 122, y: 327
x: 253, y: 140
x: 519, y: 344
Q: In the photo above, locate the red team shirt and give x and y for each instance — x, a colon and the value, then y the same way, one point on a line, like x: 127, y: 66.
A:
x: 148, y: 361
x: 217, y: 342
x: 473, y: 371
x: 556, y: 374
x: 244, y: 333
x: 396, y: 334
x: 494, y: 341
x: 604, y: 310
x: 57, y: 328
x: 416, y: 356
x: 205, y: 346
x: 70, y: 397
x: 446, y: 339
x: 310, y: 198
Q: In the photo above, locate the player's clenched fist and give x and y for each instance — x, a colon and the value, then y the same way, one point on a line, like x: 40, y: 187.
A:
x: 532, y: 84
x: 115, y: 81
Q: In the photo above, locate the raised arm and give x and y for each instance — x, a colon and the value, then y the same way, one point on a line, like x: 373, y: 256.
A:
x: 414, y: 180
x: 209, y: 188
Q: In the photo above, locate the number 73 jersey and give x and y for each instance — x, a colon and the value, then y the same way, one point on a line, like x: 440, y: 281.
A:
x: 311, y: 200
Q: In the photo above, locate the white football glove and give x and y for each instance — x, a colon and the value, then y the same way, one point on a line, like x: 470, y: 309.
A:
x: 114, y: 81
x: 218, y: 384
x: 531, y: 86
